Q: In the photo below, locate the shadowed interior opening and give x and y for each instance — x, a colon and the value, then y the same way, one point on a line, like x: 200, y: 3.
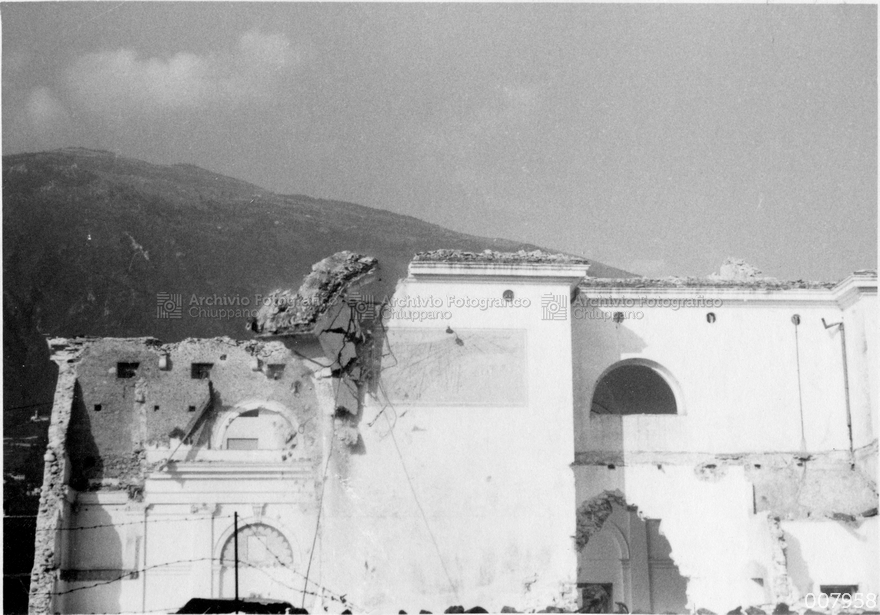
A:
x: 633, y: 389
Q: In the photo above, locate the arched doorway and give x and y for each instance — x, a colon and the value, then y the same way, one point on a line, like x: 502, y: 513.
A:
x: 266, y: 563
x: 624, y: 561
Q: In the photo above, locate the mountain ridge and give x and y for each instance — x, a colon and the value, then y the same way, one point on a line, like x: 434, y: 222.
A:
x: 98, y: 198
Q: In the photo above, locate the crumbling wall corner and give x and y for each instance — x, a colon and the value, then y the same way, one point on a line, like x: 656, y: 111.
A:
x: 781, y: 587
x: 52, y: 497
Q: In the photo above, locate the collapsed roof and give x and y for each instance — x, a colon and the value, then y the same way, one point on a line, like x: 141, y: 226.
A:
x: 286, y: 312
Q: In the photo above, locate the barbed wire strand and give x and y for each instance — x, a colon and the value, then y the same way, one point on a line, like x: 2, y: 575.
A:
x: 39, y: 405
x: 92, y: 527
x: 121, y: 577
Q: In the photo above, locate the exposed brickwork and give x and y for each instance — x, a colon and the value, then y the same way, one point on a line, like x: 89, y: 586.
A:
x: 105, y: 449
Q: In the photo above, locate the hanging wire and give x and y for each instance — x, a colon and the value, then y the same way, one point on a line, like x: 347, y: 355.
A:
x: 320, y: 502
x: 333, y: 595
x: 418, y: 503
x: 796, y: 320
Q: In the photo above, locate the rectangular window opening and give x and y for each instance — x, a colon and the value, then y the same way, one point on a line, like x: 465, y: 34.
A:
x: 242, y: 444
x: 201, y: 371
x: 839, y: 589
x: 126, y: 370
x: 191, y: 409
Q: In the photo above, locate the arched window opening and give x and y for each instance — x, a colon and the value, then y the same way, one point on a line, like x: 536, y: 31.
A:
x: 633, y: 389
x: 259, y: 546
x: 259, y: 429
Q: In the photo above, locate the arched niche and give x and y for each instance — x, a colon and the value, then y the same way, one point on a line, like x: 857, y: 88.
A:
x: 637, y: 386
x: 255, y: 425
x: 268, y: 560
x: 260, y: 545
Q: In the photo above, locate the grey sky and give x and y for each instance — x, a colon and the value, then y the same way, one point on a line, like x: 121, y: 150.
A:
x: 658, y: 138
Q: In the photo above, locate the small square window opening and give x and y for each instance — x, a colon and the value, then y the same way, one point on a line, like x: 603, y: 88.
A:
x: 201, y: 371
x: 126, y: 370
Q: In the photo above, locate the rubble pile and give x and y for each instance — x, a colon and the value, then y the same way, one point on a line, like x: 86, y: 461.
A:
x: 704, y: 282
x: 490, y: 256
x: 733, y: 273
x: 287, y: 312
x: 739, y: 270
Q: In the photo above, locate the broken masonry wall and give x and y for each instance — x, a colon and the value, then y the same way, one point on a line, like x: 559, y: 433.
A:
x: 703, y: 520
x: 142, y: 419
x: 105, y: 438
x: 739, y: 400
x: 161, y: 398
x: 629, y: 552
x: 770, y: 537
x: 808, y: 487
x: 821, y: 497
x: 240, y: 373
x: 460, y: 492
x: 277, y: 487
x: 54, y: 505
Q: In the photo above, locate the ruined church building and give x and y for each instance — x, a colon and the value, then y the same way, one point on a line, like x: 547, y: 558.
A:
x: 502, y: 431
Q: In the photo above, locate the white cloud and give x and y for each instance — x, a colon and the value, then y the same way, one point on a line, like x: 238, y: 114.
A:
x: 120, y: 83
x: 36, y: 121
x: 44, y: 112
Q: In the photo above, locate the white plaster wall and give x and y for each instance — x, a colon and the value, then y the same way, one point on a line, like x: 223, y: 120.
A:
x: 111, y: 541
x: 493, y: 483
x: 175, y: 539
x: 831, y: 553
x: 737, y: 378
x: 737, y: 385
x: 198, y: 532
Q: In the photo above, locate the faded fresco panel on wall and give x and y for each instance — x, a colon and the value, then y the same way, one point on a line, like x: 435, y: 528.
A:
x: 465, y: 367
